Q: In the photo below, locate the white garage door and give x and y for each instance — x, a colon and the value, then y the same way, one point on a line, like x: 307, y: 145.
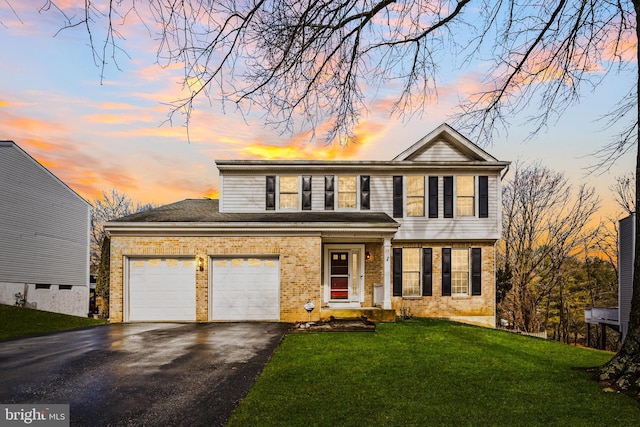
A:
x: 245, y: 289
x: 162, y: 289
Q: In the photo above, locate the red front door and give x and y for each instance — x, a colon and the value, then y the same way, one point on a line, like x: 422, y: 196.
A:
x: 339, y: 275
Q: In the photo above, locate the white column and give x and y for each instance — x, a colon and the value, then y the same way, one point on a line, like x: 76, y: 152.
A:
x: 386, y: 271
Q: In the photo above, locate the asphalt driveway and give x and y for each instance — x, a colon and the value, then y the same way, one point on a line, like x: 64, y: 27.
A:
x: 140, y: 374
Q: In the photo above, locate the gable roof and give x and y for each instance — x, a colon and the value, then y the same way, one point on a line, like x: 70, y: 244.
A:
x: 447, y: 144
x: 13, y: 145
x: 443, y: 148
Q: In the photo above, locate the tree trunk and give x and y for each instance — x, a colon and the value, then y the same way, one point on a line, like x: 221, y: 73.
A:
x: 103, y: 279
x: 623, y: 370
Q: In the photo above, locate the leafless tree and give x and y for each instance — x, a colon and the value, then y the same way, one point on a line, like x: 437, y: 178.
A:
x: 624, y: 191
x: 314, y: 62
x: 544, y: 224
x: 113, y: 204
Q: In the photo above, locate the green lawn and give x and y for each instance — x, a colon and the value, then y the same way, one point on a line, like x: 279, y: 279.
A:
x: 429, y: 372
x: 19, y: 322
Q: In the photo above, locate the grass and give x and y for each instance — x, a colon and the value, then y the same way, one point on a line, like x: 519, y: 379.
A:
x: 428, y: 373
x: 19, y: 322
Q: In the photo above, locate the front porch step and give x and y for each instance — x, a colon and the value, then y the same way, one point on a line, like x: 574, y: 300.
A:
x: 374, y: 314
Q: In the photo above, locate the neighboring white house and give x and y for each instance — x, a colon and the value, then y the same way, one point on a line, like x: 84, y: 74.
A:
x: 618, y: 317
x: 44, y: 237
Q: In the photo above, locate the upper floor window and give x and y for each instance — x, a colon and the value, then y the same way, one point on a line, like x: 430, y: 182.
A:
x: 465, y: 195
x: 347, y: 190
x: 288, y: 192
x: 415, y: 196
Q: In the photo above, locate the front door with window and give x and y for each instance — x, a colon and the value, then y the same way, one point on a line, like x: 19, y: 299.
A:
x: 345, y: 274
x: 340, y: 276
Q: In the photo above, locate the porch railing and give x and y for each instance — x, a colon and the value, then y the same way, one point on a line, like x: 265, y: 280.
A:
x: 610, y: 315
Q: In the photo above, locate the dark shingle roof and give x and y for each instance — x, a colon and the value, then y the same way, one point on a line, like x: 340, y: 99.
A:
x: 207, y: 210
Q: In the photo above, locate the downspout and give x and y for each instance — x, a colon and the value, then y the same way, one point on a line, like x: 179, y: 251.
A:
x: 506, y: 171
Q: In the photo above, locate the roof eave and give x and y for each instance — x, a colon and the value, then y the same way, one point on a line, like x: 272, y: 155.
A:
x: 246, y: 227
x: 373, y: 166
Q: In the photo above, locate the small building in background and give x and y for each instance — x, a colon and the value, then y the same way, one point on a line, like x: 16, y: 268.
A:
x: 44, y: 237
x: 617, y: 318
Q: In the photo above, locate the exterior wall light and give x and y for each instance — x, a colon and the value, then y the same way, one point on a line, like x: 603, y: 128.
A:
x: 368, y: 256
x: 201, y: 264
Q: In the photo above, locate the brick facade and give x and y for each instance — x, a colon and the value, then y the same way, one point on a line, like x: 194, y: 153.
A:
x: 300, y: 267
x: 478, y: 310
x: 301, y: 274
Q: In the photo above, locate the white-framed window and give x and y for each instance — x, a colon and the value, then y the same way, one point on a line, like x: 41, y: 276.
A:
x: 288, y: 189
x: 459, y: 271
x: 415, y: 195
x: 465, y: 195
x: 411, y: 272
x: 347, y: 192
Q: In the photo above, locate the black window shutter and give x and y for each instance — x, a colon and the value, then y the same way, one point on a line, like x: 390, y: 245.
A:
x: 328, y: 193
x: 483, y: 196
x: 397, y: 197
x: 446, y: 272
x: 365, y: 193
x: 397, y: 272
x: 448, y: 197
x: 271, y: 193
x: 306, y: 193
x: 476, y: 271
x: 426, y: 272
x: 433, y: 197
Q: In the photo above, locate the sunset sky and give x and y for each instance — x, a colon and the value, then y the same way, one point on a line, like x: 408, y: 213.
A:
x: 99, y: 135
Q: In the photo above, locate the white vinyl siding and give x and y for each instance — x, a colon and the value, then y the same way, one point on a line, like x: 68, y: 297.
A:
x: 625, y: 268
x: 242, y: 193
x: 44, y: 226
x: 317, y: 192
x: 459, y: 227
x: 381, y: 199
x: 441, y: 151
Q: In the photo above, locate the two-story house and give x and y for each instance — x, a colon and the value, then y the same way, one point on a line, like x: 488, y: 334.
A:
x: 44, y: 237
x: 415, y: 234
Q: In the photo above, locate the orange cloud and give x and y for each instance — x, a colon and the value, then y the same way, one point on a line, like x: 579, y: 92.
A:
x: 300, y: 148
x: 24, y: 123
x: 625, y: 49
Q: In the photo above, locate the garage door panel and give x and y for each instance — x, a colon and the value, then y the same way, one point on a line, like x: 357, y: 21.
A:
x: 245, y: 289
x: 162, y: 289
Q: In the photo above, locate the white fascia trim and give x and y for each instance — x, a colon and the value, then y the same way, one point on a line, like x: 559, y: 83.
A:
x: 363, y: 168
x: 310, y: 229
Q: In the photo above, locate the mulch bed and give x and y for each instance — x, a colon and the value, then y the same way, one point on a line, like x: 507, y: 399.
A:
x: 360, y: 324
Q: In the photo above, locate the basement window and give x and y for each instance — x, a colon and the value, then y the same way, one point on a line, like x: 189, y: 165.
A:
x: 64, y: 287
x: 42, y: 286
